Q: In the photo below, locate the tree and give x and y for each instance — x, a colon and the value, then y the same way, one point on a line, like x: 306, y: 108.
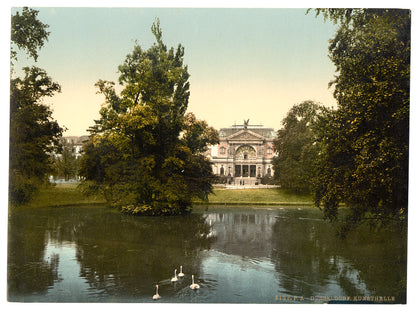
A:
x: 66, y: 163
x: 366, y: 142
x: 145, y: 152
x: 27, y: 33
x: 34, y: 134
x: 297, y: 147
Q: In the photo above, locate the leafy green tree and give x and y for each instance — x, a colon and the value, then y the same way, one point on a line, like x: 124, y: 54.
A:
x: 297, y: 147
x: 27, y: 33
x: 145, y: 152
x: 365, y: 159
x: 34, y: 134
x: 66, y: 163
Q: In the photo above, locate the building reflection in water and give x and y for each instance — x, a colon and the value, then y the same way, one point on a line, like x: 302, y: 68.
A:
x: 309, y: 259
x: 243, y: 234
x: 237, y: 255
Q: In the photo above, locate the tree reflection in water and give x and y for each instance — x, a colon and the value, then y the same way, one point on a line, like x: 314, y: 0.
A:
x: 117, y: 254
x: 312, y: 260
x: 309, y: 258
x: 255, y: 254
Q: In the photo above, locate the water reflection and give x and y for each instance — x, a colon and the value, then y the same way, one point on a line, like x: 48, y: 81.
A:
x: 244, y: 234
x: 94, y: 254
x: 307, y: 253
x: 307, y: 257
x: 117, y: 255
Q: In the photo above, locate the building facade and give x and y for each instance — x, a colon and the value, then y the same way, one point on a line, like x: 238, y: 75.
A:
x: 244, y: 154
x: 76, y: 142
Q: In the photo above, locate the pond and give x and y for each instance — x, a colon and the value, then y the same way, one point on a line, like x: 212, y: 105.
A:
x: 248, y: 254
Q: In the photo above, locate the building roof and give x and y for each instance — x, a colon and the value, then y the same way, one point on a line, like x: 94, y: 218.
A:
x: 267, y: 133
x: 76, y: 139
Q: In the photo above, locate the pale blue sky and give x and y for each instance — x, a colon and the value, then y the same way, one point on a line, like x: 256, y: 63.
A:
x: 244, y: 63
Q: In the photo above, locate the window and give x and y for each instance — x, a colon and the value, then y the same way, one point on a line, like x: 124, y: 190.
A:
x: 222, y: 150
x: 245, y: 171
x: 245, y: 152
x: 252, y: 171
x: 237, y: 170
x: 269, y: 151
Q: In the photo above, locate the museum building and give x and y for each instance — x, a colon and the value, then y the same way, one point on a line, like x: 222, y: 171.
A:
x: 244, y: 154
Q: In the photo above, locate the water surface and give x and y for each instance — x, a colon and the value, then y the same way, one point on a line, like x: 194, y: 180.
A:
x: 238, y: 255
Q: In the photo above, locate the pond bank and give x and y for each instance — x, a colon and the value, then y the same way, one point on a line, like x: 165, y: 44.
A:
x: 258, y: 196
x: 62, y: 195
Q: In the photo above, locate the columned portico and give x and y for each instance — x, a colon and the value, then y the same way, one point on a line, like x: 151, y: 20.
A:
x: 244, y: 154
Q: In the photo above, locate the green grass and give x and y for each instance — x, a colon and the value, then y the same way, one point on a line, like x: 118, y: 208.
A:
x: 70, y: 195
x: 264, y: 196
x: 62, y: 195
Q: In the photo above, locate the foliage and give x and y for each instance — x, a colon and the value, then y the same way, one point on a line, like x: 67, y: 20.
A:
x: 366, y: 141
x: 27, y: 32
x: 297, y: 147
x: 144, y: 152
x: 66, y: 163
x: 34, y: 135
x: 268, y: 180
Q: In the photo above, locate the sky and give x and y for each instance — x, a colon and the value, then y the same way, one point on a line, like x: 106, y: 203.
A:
x: 244, y: 63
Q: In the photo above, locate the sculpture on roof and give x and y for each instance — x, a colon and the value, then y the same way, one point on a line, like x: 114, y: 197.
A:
x: 246, y: 123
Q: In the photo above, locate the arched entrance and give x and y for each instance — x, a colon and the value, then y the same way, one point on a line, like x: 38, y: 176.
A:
x: 245, y: 167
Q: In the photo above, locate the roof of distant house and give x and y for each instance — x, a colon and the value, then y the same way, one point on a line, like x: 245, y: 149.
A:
x: 268, y: 133
x: 76, y: 139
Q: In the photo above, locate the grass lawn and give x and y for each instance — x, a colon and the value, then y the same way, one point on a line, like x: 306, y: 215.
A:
x: 62, y: 195
x: 69, y: 194
x: 263, y: 196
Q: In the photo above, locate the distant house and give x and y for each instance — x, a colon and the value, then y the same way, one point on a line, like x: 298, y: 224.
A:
x: 244, y: 154
x: 77, y: 141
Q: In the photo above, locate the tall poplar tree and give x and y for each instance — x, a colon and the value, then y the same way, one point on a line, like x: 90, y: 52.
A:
x: 145, y: 153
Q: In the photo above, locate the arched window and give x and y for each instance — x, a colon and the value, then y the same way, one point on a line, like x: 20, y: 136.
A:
x: 245, y: 152
x: 222, y: 170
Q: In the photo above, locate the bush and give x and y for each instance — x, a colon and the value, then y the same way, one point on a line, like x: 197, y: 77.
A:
x: 21, y: 189
x: 268, y: 180
x: 157, y: 209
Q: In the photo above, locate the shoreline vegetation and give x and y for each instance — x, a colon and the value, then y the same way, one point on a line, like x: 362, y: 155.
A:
x: 68, y: 194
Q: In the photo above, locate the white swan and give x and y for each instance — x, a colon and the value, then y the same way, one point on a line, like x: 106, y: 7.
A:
x: 156, y: 296
x: 194, y: 286
x: 211, y: 230
x: 175, y: 278
x: 181, y: 274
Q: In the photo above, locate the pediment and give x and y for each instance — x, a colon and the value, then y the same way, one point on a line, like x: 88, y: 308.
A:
x: 245, y: 135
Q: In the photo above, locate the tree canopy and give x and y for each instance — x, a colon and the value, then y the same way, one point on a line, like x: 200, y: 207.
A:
x: 65, y: 164
x: 297, y: 147
x: 145, y: 152
x: 34, y: 134
x: 27, y: 33
x: 366, y: 141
